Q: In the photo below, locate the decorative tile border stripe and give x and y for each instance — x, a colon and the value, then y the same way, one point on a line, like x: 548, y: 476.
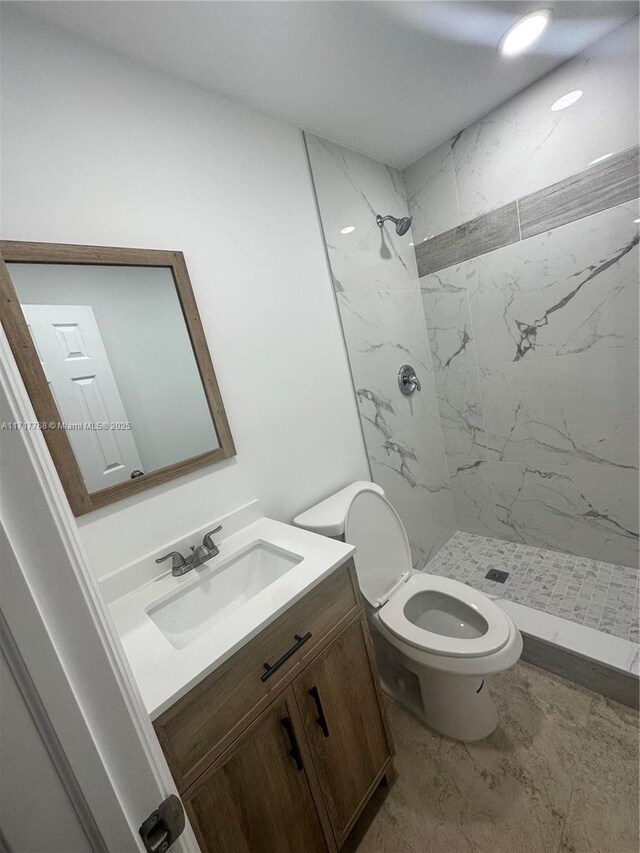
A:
x: 601, y: 186
x: 476, y: 237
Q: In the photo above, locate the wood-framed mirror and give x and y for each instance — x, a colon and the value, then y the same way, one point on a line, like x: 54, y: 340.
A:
x: 111, y: 349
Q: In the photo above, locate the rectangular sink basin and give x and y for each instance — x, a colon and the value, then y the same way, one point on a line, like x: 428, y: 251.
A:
x: 189, y: 612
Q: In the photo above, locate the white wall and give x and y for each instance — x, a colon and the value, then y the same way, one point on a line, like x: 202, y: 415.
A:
x: 98, y: 150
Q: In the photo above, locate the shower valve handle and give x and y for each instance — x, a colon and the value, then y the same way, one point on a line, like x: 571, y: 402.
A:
x: 408, y: 382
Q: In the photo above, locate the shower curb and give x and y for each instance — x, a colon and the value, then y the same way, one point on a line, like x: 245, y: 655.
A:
x: 600, y: 662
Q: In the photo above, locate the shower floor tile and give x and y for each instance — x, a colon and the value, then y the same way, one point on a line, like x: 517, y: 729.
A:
x: 599, y: 595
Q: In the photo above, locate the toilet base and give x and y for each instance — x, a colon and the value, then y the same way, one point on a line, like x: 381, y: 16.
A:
x: 459, y: 707
x: 456, y: 705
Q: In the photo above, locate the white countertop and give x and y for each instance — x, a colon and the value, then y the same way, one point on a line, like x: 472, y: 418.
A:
x: 165, y: 673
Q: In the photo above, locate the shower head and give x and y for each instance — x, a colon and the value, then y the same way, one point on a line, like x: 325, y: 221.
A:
x: 402, y: 225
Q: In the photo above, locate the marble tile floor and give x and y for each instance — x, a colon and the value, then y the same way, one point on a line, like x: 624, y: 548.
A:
x: 598, y: 595
x: 559, y: 775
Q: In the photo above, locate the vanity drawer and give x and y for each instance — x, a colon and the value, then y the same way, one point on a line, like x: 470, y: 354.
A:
x: 195, y: 730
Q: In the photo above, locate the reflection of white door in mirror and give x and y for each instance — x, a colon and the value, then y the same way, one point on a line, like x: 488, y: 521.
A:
x: 81, y: 380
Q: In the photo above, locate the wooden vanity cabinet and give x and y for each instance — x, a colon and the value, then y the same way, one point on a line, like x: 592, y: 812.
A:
x: 258, y: 797
x: 340, y: 708
x: 301, y: 756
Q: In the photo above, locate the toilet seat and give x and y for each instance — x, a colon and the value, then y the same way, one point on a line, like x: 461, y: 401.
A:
x: 388, y: 583
x: 392, y: 615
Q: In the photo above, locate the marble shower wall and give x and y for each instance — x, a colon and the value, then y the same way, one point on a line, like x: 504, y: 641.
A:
x: 523, y: 145
x: 532, y: 308
x: 380, y: 305
x: 536, y: 354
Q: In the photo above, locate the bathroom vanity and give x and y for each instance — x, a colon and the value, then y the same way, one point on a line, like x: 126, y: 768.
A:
x: 270, y: 716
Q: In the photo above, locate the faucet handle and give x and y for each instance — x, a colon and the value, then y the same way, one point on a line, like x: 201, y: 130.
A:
x: 177, y: 560
x: 207, y: 541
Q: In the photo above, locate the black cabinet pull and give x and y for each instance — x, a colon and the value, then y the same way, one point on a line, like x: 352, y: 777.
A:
x: 300, y: 641
x: 322, y: 720
x: 294, y: 752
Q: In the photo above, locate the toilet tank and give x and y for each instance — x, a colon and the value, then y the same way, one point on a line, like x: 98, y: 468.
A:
x: 328, y: 517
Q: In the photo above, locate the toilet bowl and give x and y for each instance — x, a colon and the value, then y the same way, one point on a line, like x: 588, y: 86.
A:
x: 436, y: 639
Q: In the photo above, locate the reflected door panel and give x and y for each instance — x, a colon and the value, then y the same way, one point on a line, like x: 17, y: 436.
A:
x: 75, y: 362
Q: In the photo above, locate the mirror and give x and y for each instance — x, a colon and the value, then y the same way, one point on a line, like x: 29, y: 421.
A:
x: 111, y: 349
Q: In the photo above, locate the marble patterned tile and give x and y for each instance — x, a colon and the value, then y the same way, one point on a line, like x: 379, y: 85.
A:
x: 448, y: 317
x: 445, y: 302
x: 468, y: 557
x: 380, y: 308
x: 578, y: 408
x: 559, y: 775
x: 524, y: 146
x: 584, y: 508
x: 571, y: 290
x: 607, y: 773
x: 579, y: 590
x: 351, y: 190
x: 609, y: 667
x: 411, y: 468
x: 380, y: 836
x: 384, y: 331
x: 472, y: 490
x: 431, y: 193
x: 509, y: 792
x: 461, y: 416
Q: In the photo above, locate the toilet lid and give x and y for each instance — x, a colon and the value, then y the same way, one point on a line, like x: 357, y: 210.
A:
x: 382, y: 548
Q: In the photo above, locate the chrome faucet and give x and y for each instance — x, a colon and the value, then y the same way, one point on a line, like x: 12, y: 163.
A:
x: 199, y: 555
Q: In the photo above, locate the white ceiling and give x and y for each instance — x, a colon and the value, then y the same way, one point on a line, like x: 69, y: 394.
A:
x: 389, y: 79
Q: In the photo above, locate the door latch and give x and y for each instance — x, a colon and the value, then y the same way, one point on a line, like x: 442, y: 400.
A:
x: 163, y: 826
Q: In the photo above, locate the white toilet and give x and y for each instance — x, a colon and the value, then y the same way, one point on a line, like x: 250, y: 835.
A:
x: 436, y: 639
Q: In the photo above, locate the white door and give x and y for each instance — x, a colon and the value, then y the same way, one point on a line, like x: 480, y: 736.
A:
x: 105, y: 746
x: 26, y: 765
x: 80, y: 377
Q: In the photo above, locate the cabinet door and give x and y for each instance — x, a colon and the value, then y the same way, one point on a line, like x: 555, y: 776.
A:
x: 257, y: 799
x: 340, y: 707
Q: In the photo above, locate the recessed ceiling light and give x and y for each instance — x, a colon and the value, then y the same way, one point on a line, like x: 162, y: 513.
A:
x: 348, y: 229
x: 566, y: 100
x: 524, y: 32
x: 600, y: 159
x: 636, y: 221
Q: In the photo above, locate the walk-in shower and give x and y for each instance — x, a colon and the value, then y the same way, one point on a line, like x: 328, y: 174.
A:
x: 503, y: 462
